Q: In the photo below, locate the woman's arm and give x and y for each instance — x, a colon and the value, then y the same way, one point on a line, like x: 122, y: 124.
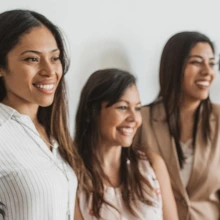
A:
x: 77, y: 213
x: 169, y: 204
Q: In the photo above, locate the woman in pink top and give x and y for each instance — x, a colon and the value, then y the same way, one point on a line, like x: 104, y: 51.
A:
x: 118, y: 182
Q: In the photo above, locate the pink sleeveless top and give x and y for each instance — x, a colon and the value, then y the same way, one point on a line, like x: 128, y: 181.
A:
x: 114, y: 197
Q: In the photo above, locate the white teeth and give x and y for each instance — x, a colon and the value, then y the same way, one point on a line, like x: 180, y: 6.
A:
x: 46, y: 87
x: 203, y: 83
x: 127, y: 131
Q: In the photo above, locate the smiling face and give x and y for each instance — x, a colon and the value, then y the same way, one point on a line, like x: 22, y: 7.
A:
x: 33, y: 70
x: 199, y: 73
x: 119, y: 122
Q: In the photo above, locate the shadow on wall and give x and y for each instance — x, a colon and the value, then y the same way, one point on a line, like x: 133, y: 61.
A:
x: 100, y: 55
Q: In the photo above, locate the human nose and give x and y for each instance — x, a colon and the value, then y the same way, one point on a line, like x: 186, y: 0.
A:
x: 47, y: 68
x: 134, y: 115
x: 208, y: 69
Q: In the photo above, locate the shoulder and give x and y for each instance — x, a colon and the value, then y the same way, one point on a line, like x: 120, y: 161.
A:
x: 145, y: 110
x: 147, y: 170
x: 145, y: 107
x: 156, y: 159
x: 216, y: 109
x: 158, y: 164
x: 153, y: 159
x: 6, y: 113
x: 154, y: 111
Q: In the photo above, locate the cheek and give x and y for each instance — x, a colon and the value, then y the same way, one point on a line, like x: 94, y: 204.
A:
x: 190, y: 73
x: 106, y: 124
x: 59, y: 70
x: 213, y: 75
x: 107, y: 131
x: 59, y: 77
x: 188, y: 81
x: 139, y: 121
x: 11, y: 81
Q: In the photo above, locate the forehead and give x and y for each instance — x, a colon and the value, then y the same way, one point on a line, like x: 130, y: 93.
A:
x: 38, y: 38
x: 202, y: 49
x: 131, y: 95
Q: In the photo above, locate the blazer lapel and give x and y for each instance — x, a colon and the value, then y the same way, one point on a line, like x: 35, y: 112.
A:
x: 167, y: 149
x: 201, y: 155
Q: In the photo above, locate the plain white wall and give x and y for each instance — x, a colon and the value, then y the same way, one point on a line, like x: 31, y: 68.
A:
x: 127, y: 34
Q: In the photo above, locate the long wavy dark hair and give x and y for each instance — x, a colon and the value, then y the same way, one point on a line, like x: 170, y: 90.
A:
x: 106, y: 85
x: 14, y: 24
x: 172, y: 65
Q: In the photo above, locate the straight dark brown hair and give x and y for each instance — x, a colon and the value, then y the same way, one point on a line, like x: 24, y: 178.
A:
x: 14, y: 24
x: 172, y: 65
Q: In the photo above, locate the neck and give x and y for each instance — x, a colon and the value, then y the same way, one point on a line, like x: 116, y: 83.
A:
x: 110, y: 156
x: 187, y: 113
x: 111, y: 162
x: 187, y: 109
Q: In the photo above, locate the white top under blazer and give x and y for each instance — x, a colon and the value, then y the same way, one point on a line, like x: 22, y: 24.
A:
x: 35, y: 183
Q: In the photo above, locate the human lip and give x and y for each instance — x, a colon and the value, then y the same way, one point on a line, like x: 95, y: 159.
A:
x: 203, y: 83
x: 127, y: 131
x: 47, y: 87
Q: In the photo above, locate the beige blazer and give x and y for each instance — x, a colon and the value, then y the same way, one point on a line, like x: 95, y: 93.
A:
x: 200, y: 199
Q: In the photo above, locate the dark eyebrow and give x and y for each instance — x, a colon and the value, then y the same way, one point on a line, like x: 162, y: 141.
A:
x: 122, y: 100
x: 197, y: 56
x: 37, y: 52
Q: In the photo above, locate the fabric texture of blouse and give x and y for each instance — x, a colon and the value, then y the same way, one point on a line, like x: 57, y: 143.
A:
x: 35, y: 184
x: 114, y: 197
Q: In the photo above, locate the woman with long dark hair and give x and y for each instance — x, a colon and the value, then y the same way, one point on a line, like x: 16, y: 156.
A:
x: 37, y: 181
x: 182, y: 125
x: 120, y: 182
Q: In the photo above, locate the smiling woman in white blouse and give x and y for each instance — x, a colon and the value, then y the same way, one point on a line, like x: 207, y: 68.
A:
x: 124, y: 182
x: 37, y: 181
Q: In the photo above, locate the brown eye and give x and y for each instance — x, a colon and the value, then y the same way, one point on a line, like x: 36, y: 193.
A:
x: 196, y: 62
x: 122, y: 107
x: 56, y: 58
x: 31, y: 59
x: 212, y: 64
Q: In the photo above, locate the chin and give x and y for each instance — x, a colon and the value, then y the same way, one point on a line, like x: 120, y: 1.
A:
x: 203, y: 97
x: 126, y: 144
x: 200, y: 96
x: 46, y: 104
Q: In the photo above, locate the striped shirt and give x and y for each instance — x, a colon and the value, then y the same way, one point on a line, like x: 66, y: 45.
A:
x: 35, y: 183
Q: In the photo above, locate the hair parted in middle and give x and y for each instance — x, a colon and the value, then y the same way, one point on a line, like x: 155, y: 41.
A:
x: 15, y: 24
x: 171, y: 73
x: 107, y: 85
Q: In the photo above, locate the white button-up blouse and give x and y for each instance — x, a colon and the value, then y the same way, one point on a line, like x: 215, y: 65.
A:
x: 35, y: 183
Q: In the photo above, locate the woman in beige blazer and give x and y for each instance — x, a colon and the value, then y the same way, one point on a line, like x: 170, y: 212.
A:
x: 182, y: 125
